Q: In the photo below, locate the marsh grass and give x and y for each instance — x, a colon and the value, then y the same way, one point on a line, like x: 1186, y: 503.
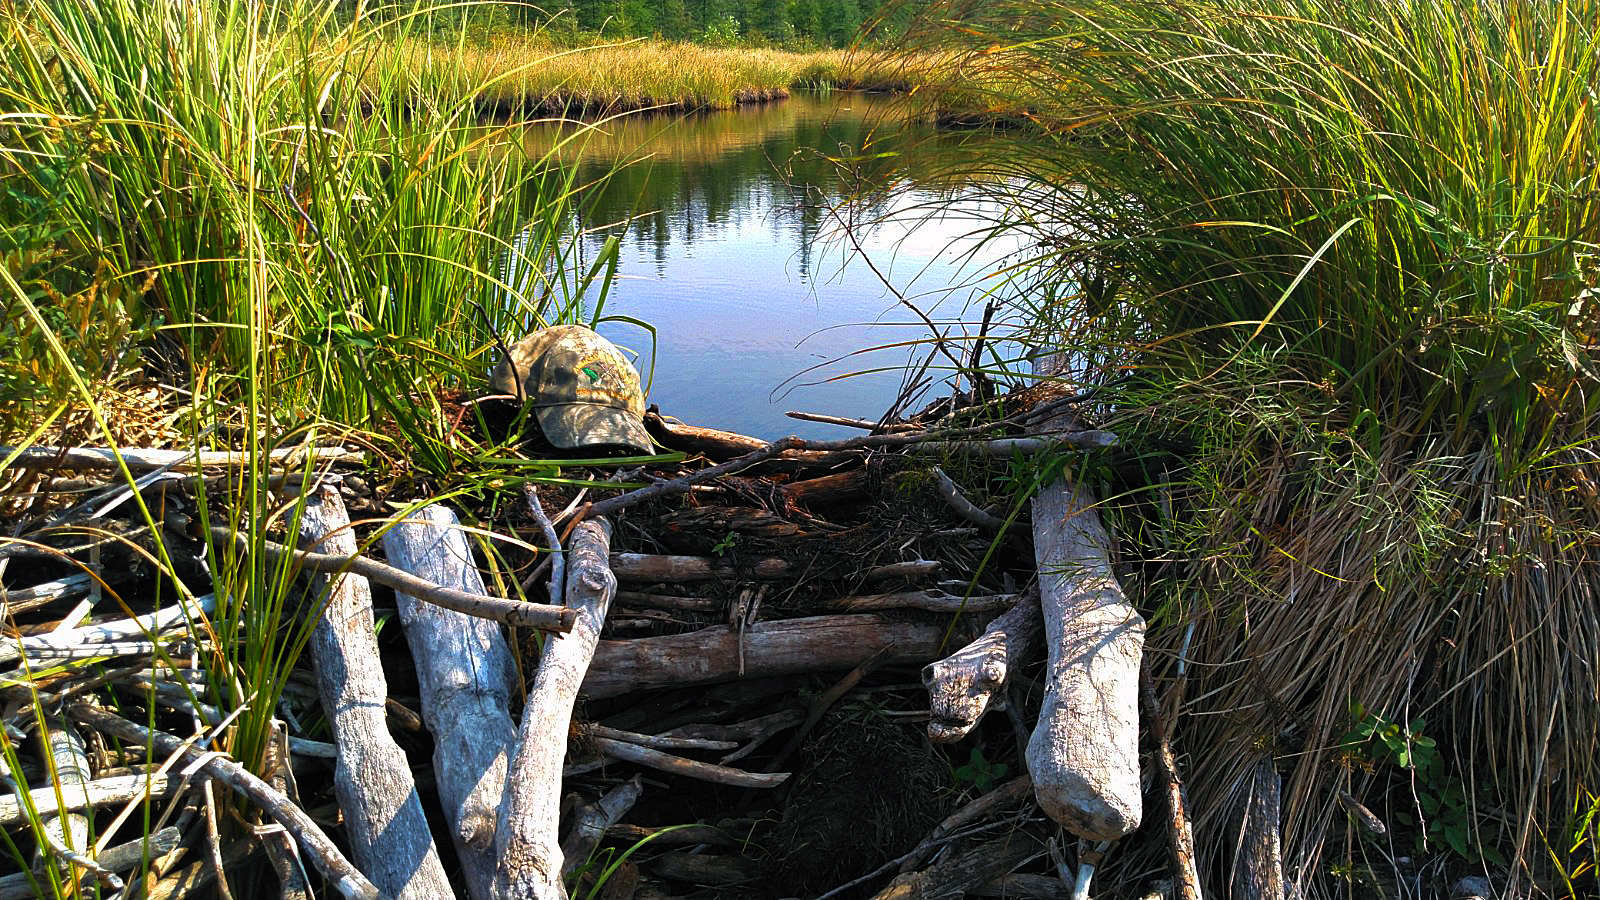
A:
x: 528, y: 75
x: 1350, y: 255
x: 230, y: 220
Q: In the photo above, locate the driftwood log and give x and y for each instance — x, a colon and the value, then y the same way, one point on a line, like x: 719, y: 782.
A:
x: 782, y: 647
x: 467, y: 677
x: 1084, y: 752
x: 961, y: 686
x: 387, y: 832
x: 527, y: 843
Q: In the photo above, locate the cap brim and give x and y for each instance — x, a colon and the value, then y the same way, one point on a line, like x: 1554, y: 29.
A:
x: 570, y: 426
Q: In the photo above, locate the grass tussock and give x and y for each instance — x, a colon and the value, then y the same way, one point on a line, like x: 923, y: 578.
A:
x: 527, y: 75
x: 1350, y: 256
x: 222, y: 232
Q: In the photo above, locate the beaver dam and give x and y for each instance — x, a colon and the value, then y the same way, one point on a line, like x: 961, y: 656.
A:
x: 755, y: 670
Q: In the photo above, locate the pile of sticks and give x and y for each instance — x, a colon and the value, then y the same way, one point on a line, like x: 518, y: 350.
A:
x: 529, y: 788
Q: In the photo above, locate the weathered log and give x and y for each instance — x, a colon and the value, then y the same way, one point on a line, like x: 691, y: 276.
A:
x: 965, y: 508
x: 908, y: 568
x: 67, y: 832
x: 526, y: 843
x: 827, y: 489
x: 1084, y: 752
x: 466, y: 676
x: 705, y: 868
x: 384, y: 824
x: 712, y: 443
x: 109, y: 639
x: 651, y: 568
x: 1258, y: 863
x: 781, y: 647
x: 667, y: 601
x: 961, y: 686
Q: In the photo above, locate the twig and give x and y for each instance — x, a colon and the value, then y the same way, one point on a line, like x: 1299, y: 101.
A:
x: 324, y: 855
x: 658, y: 741
x: 1001, y: 447
x: 964, y: 507
x: 863, y: 424
x: 138, y: 459
x: 511, y: 612
x: 558, y: 566
x: 689, y: 768
x: 1185, y: 874
x: 590, y: 823
x: 123, y: 856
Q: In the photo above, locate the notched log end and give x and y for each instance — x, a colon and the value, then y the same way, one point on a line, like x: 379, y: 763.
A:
x: 960, y: 689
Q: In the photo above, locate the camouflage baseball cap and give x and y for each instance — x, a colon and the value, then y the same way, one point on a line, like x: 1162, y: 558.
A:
x: 583, y: 390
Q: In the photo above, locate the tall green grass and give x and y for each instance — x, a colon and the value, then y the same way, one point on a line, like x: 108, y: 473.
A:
x: 240, y: 201
x: 1350, y: 254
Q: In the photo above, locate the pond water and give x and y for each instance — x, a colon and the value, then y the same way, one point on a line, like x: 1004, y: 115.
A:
x: 731, y: 248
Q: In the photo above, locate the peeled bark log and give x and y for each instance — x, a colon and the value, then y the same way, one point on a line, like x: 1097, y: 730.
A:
x: 388, y: 834
x: 1084, y: 752
x: 466, y: 677
x: 961, y: 685
x: 954, y: 876
x: 527, y: 844
x: 782, y: 647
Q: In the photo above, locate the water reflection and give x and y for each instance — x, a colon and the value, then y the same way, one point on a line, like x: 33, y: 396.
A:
x: 733, y: 252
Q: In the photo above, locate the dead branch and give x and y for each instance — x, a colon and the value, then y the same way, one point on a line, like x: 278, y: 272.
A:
x: 649, y: 567
x: 526, y: 845
x: 592, y: 819
x: 932, y: 601
x: 1185, y: 873
x: 511, y: 612
x: 322, y: 853
x: 138, y: 459
x: 960, y: 873
x: 688, y: 768
x: 964, y: 507
x: 962, y: 685
x: 657, y: 741
x: 1258, y: 863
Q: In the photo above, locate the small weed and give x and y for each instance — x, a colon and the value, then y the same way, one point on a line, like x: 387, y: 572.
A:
x: 980, y: 772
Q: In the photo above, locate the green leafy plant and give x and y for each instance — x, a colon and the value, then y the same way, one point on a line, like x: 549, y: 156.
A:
x: 979, y: 771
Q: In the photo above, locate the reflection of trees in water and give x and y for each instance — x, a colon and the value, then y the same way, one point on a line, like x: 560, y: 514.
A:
x: 725, y: 167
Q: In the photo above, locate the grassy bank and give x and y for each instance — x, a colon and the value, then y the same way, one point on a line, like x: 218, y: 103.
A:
x: 222, y: 230
x: 1350, y: 256
x: 527, y: 76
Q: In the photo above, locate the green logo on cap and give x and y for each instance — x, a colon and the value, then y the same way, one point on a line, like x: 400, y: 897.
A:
x: 594, y: 377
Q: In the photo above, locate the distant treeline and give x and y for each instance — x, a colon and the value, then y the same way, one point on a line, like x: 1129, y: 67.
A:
x: 793, y: 24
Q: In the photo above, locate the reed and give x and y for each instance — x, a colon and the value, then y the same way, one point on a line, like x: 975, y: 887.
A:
x: 1350, y: 256
x: 227, y: 226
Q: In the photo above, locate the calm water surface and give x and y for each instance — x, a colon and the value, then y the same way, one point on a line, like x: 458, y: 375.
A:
x: 732, y: 250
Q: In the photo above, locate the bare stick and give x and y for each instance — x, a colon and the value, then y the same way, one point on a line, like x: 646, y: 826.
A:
x: 1185, y: 874
x: 932, y: 601
x: 214, y: 766
x: 658, y: 741
x: 863, y: 424
x: 558, y: 565
x: 388, y: 834
x: 592, y: 820
x: 528, y: 852
x: 511, y: 612
x: 114, y: 791
x: 654, y: 567
x: 114, y: 859
x: 964, y: 507
x: 1005, y: 796
x: 962, y: 685
x: 688, y: 768
x: 1258, y: 863
x: 138, y: 459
